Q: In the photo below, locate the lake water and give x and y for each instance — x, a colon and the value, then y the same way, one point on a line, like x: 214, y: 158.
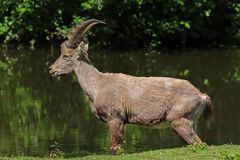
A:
x: 37, y: 110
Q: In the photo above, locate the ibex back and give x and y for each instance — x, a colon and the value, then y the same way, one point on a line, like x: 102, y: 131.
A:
x: 118, y: 99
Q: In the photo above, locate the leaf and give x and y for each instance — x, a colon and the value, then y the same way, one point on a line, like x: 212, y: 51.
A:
x: 207, y: 13
x: 187, y: 25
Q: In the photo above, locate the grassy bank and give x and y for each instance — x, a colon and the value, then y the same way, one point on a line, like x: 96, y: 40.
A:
x: 199, y: 152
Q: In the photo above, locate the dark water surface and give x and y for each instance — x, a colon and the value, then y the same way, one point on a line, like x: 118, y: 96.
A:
x: 37, y: 110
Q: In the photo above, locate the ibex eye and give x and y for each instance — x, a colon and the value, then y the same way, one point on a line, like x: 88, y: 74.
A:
x: 65, y: 56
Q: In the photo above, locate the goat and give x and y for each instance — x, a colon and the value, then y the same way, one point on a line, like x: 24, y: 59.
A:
x: 118, y: 99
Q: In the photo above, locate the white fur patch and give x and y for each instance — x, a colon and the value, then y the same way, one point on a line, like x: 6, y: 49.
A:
x: 168, y: 84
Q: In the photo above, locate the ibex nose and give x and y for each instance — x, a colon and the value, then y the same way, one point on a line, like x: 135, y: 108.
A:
x: 51, y: 69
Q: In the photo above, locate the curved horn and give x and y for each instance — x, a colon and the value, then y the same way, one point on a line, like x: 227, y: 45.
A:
x: 77, y: 35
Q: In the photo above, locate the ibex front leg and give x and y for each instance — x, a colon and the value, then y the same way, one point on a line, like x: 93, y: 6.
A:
x: 116, y: 135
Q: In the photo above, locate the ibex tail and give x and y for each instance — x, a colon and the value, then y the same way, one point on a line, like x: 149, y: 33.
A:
x: 208, y: 110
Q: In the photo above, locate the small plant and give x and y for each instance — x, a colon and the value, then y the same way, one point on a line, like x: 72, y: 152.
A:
x: 55, y: 151
x: 198, y: 147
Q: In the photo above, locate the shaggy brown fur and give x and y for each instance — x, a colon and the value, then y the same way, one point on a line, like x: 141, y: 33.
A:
x: 118, y: 99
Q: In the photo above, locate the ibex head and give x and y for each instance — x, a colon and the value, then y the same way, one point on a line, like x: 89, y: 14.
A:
x: 73, y: 49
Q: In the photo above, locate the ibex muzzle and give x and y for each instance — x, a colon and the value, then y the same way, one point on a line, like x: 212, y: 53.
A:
x: 118, y: 99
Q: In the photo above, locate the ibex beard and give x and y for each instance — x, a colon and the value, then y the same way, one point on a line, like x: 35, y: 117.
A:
x: 118, y: 99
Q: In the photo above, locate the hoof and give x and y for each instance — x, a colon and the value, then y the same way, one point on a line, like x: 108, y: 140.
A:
x: 114, y: 150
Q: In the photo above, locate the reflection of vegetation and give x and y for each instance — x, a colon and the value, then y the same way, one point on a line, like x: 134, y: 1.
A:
x: 33, y: 115
x: 37, y: 110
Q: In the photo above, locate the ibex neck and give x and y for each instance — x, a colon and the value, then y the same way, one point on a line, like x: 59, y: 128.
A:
x: 88, y: 77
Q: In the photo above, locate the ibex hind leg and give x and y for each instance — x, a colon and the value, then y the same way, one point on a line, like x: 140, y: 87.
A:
x: 184, y: 128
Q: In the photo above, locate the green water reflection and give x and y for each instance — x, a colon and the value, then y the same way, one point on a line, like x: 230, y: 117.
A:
x: 37, y: 110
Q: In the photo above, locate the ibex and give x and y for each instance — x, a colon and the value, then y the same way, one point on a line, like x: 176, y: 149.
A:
x: 118, y: 99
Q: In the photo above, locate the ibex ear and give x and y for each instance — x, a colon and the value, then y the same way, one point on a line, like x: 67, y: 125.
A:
x: 85, y: 47
x: 83, y: 52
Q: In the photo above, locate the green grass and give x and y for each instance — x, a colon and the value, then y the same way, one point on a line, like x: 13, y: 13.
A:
x: 197, y: 152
